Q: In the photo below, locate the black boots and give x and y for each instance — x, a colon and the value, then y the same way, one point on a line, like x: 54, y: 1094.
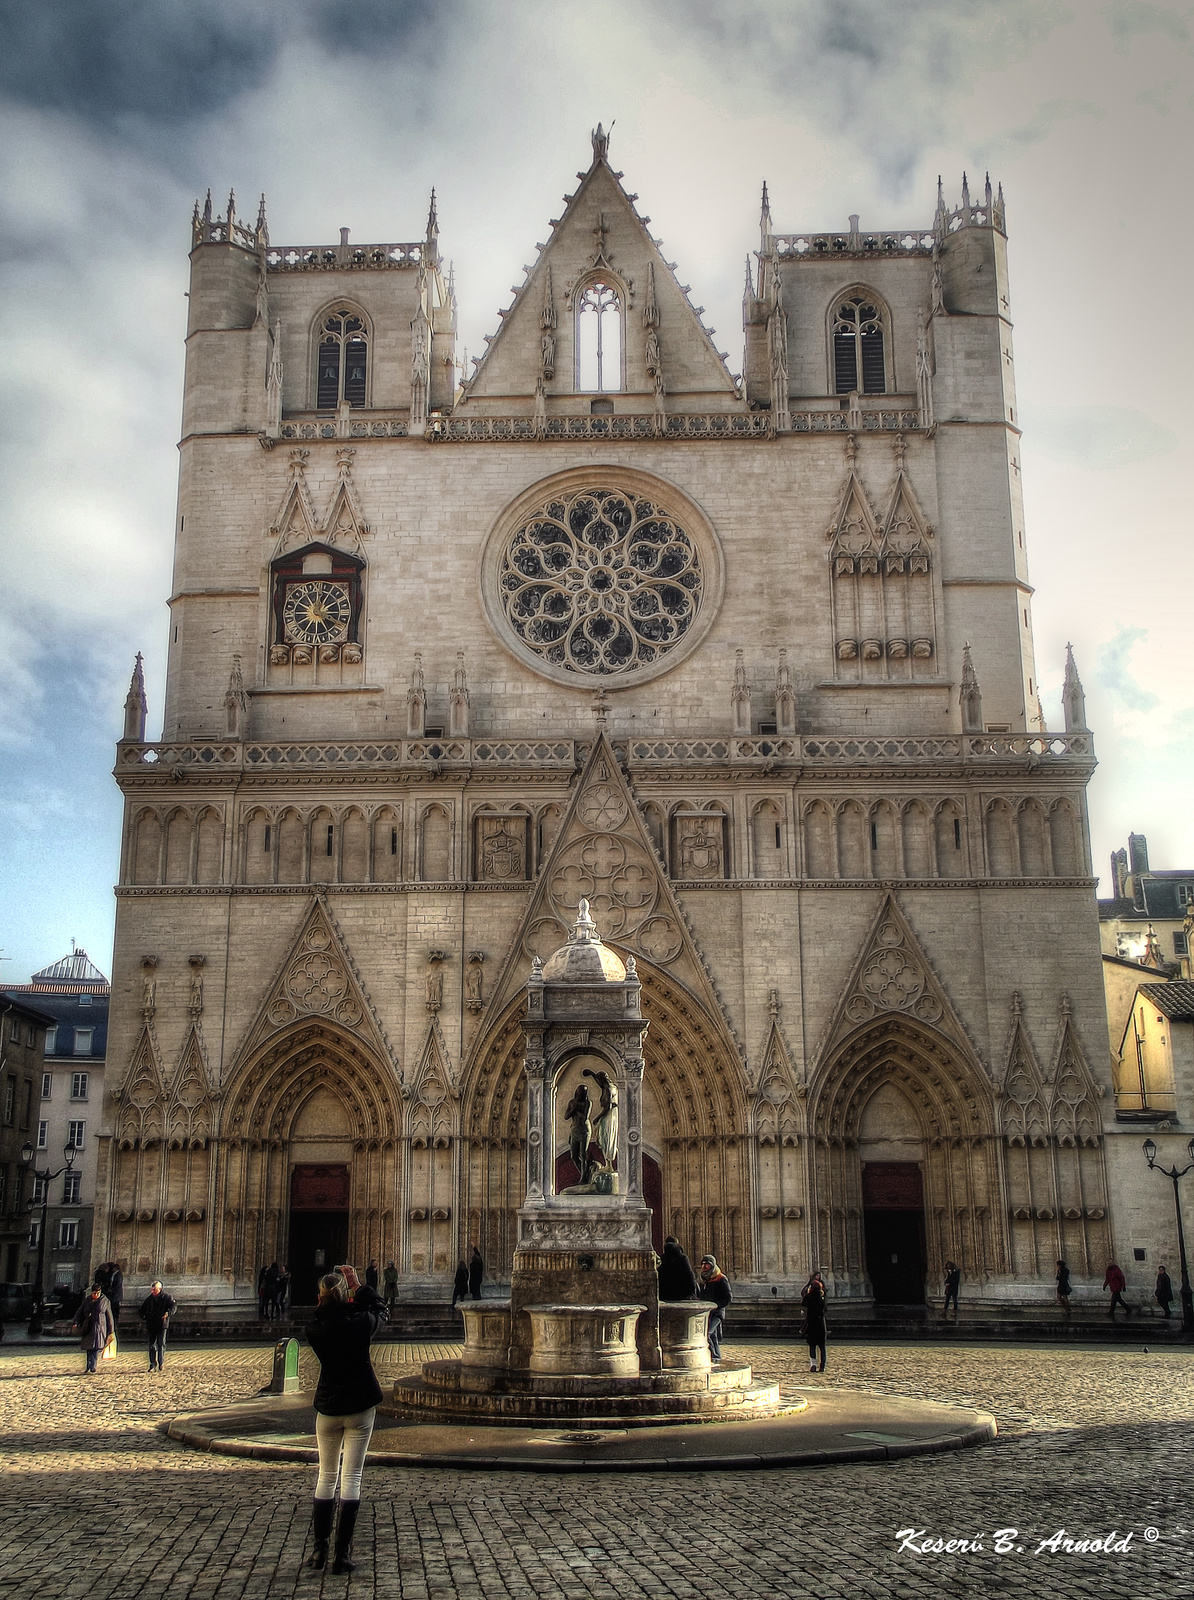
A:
x: 344, y: 1533
x: 321, y: 1532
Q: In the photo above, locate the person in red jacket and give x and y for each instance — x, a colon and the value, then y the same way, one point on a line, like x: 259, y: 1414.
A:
x: 1117, y: 1283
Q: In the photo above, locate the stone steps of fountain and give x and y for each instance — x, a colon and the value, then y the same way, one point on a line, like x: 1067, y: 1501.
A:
x: 625, y: 1403
x: 454, y: 1375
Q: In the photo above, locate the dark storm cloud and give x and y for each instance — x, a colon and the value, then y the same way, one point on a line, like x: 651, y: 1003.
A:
x: 123, y: 64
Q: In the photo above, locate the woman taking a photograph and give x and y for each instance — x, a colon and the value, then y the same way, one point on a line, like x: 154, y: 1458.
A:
x: 346, y: 1402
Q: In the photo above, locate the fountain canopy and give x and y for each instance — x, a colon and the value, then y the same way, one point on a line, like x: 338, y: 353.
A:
x: 584, y: 958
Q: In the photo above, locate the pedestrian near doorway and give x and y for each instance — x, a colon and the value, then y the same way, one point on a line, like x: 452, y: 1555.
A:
x: 1117, y: 1283
x: 1064, y: 1287
x: 953, y: 1280
x: 813, y: 1298
x: 460, y: 1283
x: 346, y: 1401
x: 389, y: 1280
x: 279, y: 1292
x: 1163, y: 1292
x: 156, y: 1310
x: 715, y: 1286
x: 371, y: 1275
x: 476, y: 1273
x: 95, y: 1326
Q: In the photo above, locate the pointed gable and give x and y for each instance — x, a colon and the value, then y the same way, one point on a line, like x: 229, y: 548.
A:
x: 892, y: 975
x: 603, y: 853
x: 140, y: 1119
x: 189, y: 1108
x: 1025, y: 1118
x: 666, y: 346
x: 318, y: 978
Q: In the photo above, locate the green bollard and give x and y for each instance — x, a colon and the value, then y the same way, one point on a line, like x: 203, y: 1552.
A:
x: 286, y: 1378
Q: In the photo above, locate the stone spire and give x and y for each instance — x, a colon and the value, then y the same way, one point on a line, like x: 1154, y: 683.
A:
x: 236, y: 702
x: 262, y: 226
x: 785, y: 697
x: 136, y: 705
x: 416, y: 701
x: 764, y: 222
x: 740, y: 696
x: 458, y: 701
x: 1073, y: 699
x: 970, y: 696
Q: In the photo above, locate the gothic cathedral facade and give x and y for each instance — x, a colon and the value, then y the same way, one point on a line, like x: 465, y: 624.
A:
x: 746, y: 663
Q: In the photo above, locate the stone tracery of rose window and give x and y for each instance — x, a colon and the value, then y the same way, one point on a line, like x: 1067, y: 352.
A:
x: 601, y: 582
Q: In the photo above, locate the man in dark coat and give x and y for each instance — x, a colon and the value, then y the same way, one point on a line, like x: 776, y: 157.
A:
x: 460, y: 1283
x: 115, y: 1291
x: 1164, y: 1290
x: 156, y: 1310
x: 677, y: 1280
x: 715, y: 1286
x: 476, y: 1272
x: 372, y: 1278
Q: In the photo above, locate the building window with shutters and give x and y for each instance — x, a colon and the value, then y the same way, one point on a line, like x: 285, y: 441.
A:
x: 75, y: 1134
x: 859, y: 335
x: 78, y: 1085
x: 68, y: 1234
x: 72, y: 1186
x: 341, y: 360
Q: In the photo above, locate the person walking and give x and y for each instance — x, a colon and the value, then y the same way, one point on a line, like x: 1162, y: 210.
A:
x: 389, y: 1279
x: 460, y: 1283
x: 1163, y: 1293
x: 279, y: 1292
x: 156, y: 1310
x: 1117, y: 1283
x: 115, y: 1291
x: 953, y: 1279
x: 677, y: 1280
x: 346, y: 1401
x: 715, y: 1286
x: 95, y: 1326
x: 812, y: 1298
x: 263, y: 1293
x: 476, y: 1273
x: 1064, y: 1288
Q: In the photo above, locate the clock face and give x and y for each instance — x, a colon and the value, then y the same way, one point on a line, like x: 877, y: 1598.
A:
x: 316, y: 612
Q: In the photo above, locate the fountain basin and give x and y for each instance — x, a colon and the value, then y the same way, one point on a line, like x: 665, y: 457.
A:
x: 584, y: 1341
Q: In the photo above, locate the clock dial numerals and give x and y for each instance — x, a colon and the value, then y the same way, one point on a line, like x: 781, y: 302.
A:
x: 316, y: 613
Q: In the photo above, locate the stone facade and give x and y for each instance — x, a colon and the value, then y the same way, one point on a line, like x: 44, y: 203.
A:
x: 746, y: 663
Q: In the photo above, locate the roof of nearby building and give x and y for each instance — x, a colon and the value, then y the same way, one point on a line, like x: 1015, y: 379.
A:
x: 1176, y: 999
x: 19, y: 1003
x: 74, y: 968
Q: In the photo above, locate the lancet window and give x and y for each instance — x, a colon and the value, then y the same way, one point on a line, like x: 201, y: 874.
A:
x: 342, y: 368
x: 598, y: 338
x: 859, y: 354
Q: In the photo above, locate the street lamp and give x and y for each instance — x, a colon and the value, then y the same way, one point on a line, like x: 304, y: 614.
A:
x: 46, y: 1178
x: 1187, y: 1296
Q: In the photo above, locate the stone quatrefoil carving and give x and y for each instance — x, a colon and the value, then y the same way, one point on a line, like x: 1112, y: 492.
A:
x: 891, y: 980
x: 315, y: 984
x: 601, y: 582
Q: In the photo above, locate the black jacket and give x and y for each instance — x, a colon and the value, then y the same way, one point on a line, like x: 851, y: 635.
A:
x: 476, y: 1271
x: 339, y: 1335
x: 677, y: 1280
x: 813, y: 1300
x: 718, y: 1290
x: 156, y: 1310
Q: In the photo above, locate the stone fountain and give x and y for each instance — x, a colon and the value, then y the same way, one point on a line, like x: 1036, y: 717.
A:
x: 583, y: 1339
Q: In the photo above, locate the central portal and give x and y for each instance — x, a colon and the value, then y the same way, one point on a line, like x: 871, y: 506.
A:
x: 318, y: 1231
x: 894, y: 1225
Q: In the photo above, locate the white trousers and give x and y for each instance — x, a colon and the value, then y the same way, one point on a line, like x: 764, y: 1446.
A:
x: 342, y: 1442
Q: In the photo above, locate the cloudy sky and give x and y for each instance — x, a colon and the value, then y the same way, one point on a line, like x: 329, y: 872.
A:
x: 115, y: 114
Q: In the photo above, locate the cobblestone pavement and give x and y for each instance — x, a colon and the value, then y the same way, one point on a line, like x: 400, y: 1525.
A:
x: 94, y: 1502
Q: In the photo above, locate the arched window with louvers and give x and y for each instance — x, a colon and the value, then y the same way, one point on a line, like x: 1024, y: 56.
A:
x: 859, y: 343
x: 342, y: 339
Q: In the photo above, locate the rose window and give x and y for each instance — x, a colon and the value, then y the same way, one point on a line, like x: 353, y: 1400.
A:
x: 601, y: 582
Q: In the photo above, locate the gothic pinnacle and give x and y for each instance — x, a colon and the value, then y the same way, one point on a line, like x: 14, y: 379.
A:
x: 432, y: 219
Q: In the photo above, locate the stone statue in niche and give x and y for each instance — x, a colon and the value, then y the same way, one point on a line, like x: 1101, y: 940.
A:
x: 473, y: 996
x: 578, y: 1116
x: 435, y: 983
x: 196, y: 1002
x: 605, y: 1128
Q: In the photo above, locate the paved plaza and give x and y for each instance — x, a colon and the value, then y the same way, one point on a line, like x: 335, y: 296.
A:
x: 97, y: 1503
